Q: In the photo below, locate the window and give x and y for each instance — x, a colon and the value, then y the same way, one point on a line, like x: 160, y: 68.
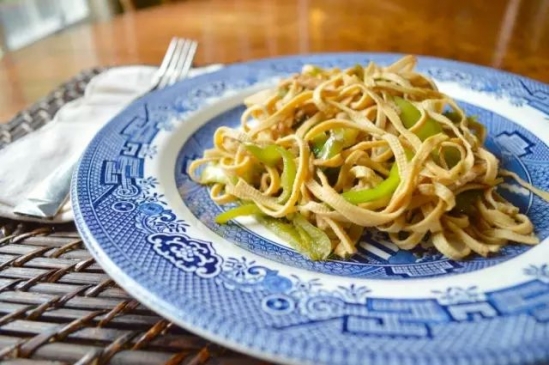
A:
x: 25, y: 21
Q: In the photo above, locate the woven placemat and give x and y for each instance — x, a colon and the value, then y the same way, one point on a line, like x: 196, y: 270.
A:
x: 57, y: 306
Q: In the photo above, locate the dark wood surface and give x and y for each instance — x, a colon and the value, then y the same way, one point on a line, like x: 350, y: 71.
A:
x: 507, y: 34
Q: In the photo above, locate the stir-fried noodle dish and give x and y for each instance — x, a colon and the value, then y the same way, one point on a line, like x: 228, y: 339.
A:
x: 329, y: 153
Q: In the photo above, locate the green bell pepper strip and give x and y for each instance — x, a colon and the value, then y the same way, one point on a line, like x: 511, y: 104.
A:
x: 305, y: 241
x: 383, y: 190
x: 287, y: 232
x: 332, y: 147
x: 317, y: 142
x: 242, y: 210
x: 339, y: 139
x: 410, y: 115
x: 465, y: 201
x: 320, y: 246
x: 301, y: 235
x: 453, y: 116
x: 288, y: 174
x: 269, y: 155
x: 348, y: 135
x: 272, y: 155
x: 477, y: 128
x: 452, y: 156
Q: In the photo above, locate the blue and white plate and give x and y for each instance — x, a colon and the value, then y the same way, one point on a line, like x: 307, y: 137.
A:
x: 152, y: 230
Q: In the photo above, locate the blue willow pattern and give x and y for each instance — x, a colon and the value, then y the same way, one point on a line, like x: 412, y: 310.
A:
x: 124, y: 219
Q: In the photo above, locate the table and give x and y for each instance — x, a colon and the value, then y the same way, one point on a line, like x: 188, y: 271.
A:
x: 512, y: 35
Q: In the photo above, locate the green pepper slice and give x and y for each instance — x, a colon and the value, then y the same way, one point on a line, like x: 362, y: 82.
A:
x: 320, y: 246
x: 288, y: 174
x: 339, y: 139
x: 466, y: 201
x: 301, y: 235
x: 242, y: 210
x: 383, y: 190
x: 410, y: 115
x: 269, y: 155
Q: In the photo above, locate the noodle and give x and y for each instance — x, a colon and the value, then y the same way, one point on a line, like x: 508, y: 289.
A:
x: 370, y: 146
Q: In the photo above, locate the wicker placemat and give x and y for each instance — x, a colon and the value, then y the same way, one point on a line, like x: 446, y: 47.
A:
x: 57, y: 306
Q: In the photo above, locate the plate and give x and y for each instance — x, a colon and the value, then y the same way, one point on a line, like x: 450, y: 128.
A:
x: 152, y: 230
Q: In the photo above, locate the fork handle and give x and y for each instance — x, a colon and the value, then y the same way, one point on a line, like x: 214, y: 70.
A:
x: 47, y: 198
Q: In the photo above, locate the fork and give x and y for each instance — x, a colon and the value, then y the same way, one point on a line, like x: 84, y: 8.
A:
x: 48, y: 197
x: 176, y: 63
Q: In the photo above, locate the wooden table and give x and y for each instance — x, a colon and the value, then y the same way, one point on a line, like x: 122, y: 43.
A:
x: 512, y: 35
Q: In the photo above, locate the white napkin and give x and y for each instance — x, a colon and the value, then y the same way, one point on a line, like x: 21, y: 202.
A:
x: 28, y: 161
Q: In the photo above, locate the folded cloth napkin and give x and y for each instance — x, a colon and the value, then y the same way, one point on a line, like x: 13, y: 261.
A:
x: 28, y: 161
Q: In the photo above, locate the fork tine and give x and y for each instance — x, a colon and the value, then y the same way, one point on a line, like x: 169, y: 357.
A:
x: 188, y: 62
x: 173, y: 77
x: 176, y: 63
x: 172, y: 64
x: 165, y: 62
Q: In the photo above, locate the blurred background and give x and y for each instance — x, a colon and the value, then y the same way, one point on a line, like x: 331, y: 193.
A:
x: 23, y: 22
x: 46, y: 42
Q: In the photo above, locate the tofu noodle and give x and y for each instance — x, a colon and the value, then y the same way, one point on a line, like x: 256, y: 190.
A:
x: 330, y: 152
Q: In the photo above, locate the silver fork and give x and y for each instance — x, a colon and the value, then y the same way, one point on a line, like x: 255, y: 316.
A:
x: 176, y: 63
x: 47, y: 198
